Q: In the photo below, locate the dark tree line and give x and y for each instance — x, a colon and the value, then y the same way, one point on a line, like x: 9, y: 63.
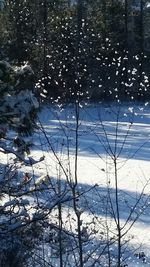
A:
x: 97, y: 49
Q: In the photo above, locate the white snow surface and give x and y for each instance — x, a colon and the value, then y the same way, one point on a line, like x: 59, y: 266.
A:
x: 104, y: 130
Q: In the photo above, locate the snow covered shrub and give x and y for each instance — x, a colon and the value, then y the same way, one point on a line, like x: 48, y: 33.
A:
x: 25, y: 201
x: 17, y: 226
x: 18, y: 105
x: 18, y: 108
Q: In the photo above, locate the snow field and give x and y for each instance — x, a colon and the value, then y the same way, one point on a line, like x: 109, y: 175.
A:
x: 104, y: 132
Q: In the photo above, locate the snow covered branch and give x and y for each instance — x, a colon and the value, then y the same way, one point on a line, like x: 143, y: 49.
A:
x: 30, y: 161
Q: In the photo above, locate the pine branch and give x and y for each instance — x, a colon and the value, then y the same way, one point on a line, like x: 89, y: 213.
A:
x: 28, y: 162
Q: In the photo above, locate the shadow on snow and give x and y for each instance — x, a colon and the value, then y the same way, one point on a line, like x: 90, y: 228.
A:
x: 120, y: 130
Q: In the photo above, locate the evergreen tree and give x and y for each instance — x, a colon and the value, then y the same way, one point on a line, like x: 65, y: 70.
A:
x: 18, y: 108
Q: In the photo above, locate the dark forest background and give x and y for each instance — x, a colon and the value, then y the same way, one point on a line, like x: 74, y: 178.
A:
x: 92, y: 49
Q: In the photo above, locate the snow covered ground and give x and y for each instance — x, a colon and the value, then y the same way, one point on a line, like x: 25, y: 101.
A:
x: 105, y: 132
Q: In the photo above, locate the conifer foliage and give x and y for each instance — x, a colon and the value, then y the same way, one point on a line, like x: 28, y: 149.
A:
x: 18, y: 108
